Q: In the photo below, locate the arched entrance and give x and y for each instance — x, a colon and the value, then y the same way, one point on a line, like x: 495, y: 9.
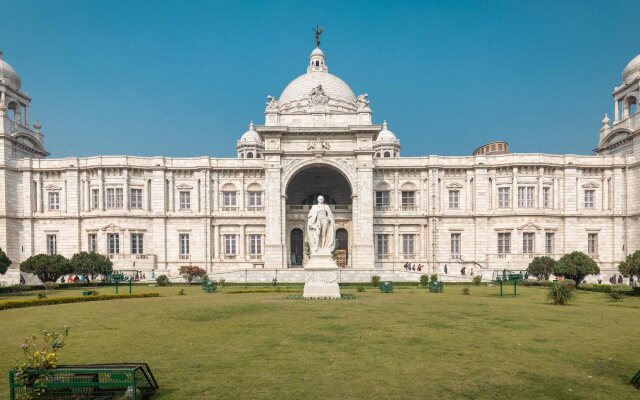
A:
x: 342, y: 247
x: 302, y: 192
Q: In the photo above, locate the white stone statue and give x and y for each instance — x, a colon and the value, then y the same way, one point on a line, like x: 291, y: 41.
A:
x: 321, y: 228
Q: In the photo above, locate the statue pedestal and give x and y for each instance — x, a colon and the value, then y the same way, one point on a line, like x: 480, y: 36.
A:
x: 321, y: 281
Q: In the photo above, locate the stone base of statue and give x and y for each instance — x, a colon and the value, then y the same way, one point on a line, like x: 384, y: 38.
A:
x: 321, y: 280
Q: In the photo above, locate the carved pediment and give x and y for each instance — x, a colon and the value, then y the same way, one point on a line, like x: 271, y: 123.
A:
x: 184, y: 186
x: 112, y: 228
x: 590, y: 185
x: 454, y: 185
x: 52, y: 187
x: 529, y: 226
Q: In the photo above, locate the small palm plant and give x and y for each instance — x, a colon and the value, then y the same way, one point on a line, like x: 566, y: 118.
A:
x: 560, y: 294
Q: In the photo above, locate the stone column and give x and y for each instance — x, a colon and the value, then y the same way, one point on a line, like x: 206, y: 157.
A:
x: 125, y: 191
x: 101, y: 189
x: 39, y: 192
x: 514, y: 189
x: 274, y: 243
x: 242, y: 242
x: 216, y: 242
x: 363, y: 214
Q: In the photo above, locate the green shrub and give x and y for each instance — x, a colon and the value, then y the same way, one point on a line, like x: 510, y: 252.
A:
x: 433, y: 278
x: 181, y: 292
x: 5, y: 262
x: 48, y: 268
x: 569, y: 282
x: 560, y: 293
x: 221, y: 282
x: 162, y: 280
x: 424, y: 280
x: 6, y: 305
x: 375, y: 281
x: 91, y: 264
x: 361, y: 289
x: 576, y: 266
x: 541, y: 267
x: 477, y: 280
x: 274, y: 281
x: 615, y: 296
x: 466, y: 291
x: 595, y: 287
x: 51, y: 285
x: 42, y: 295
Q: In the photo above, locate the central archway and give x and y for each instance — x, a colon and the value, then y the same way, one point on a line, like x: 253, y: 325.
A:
x: 302, y: 191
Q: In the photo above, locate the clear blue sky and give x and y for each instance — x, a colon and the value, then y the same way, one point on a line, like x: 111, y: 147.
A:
x: 184, y: 79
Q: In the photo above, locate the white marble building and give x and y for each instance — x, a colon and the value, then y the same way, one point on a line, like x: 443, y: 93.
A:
x: 489, y: 210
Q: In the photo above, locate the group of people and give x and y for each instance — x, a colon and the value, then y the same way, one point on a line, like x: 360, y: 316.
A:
x: 75, y: 279
x: 413, y: 267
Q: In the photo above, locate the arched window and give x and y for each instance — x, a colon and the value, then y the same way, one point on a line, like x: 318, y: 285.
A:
x: 378, y: 154
x: 249, y: 155
x: 387, y: 154
x: 633, y: 107
x: 297, y: 246
x: 258, y: 155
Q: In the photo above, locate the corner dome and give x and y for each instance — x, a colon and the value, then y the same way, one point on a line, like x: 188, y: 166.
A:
x: 385, y: 135
x: 250, y: 136
x: 317, y: 75
x: 9, y: 75
x: 632, y: 70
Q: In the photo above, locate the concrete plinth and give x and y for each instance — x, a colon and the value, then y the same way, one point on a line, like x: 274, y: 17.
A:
x: 321, y: 280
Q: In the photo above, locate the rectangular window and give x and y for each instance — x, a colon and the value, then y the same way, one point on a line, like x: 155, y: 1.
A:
x: 111, y: 198
x: 119, y: 198
x: 230, y: 245
x: 185, y: 200
x: 137, y: 243
x: 382, y: 200
x: 589, y: 198
x: 52, y: 245
x: 255, y: 201
x: 455, y: 245
x: 255, y: 245
x: 504, y: 197
x: 408, y: 245
x: 382, y: 245
x: 95, y: 199
x: 593, y: 244
x: 229, y: 201
x: 454, y: 199
x: 54, y: 201
x: 546, y: 197
x: 113, y: 243
x: 550, y: 239
x: 136, y: 199
x: 504, y: 243
x: 408, y: 200
x: 528, y: 242
x: 183, y: 238
x: 92, y: 243
x: 526, y: 196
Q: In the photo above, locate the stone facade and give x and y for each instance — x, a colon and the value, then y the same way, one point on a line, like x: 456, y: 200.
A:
x: 485, y: 212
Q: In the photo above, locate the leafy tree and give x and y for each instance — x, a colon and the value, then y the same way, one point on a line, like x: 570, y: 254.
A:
x: 190, y: 272
x: 47, y: 268
x: 4, y: 262
x: 631, y: 265
x: 542, y: 267
x: 92, y: 264
x: 576, y: 266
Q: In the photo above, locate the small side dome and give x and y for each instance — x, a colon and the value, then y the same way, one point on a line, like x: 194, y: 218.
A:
x: 250, y: 136
x: 8, y: 75
x: 385, y: 135
x: 632, y: 70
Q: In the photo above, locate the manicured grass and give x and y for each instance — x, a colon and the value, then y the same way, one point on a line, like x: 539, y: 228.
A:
x: 406, y: 345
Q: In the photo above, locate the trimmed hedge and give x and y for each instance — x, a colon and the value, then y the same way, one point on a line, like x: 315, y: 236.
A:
x: 594, y: 287
x: 6, y: 305
x: 264, y: 290
x: 536, y: 283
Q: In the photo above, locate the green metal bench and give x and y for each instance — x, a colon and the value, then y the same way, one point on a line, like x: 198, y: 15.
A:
x: 209, y: 286
x: 386, y: 287
x: 97, y: 381
x: 436, y: 287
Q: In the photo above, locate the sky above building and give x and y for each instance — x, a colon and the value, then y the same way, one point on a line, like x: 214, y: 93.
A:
x: 184, y: 79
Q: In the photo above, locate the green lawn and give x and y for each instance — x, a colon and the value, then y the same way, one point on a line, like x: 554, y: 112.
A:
x: 407, y: 345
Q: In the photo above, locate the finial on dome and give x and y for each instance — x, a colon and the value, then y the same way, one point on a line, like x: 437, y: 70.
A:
x: 605, y: 121
x: 251, y: 128
x: 384, y: 125
x: 1, y: 53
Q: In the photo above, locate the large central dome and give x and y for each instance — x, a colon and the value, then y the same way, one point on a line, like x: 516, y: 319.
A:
x: 317, y: 74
